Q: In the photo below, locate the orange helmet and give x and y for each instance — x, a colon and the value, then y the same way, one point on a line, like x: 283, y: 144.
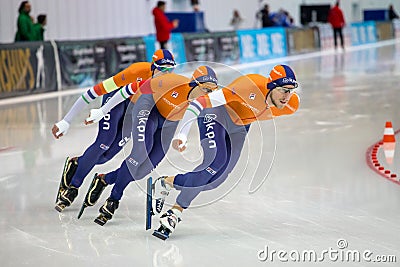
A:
x: 281, y: 75
x: 163, y: 60
x: 203, y: 74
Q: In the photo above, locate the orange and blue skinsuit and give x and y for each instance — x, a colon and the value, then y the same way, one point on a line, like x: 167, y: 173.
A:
x: 224, y: 118
x: 155, y: 116
x: 110, y: 137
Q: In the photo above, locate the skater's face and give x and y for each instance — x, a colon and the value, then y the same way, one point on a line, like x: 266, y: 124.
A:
x: 208, y: 87
x: 202, y: 89
x: 279, y: 97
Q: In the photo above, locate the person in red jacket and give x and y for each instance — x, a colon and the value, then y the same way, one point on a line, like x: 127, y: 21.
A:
x: 336, y: 19
x: 163, y: 25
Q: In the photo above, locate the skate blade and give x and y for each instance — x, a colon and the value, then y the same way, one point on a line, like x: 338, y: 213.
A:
x: 161, y: 234
x: 101, y: 220
x: 81, y: 211
x: 60, y: 207
x: 149, y: 208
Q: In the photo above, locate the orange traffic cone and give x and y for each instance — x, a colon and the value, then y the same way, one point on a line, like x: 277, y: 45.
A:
x: 389, y: 142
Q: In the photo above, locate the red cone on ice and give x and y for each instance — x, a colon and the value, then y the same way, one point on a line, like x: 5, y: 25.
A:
x: 389, y: 142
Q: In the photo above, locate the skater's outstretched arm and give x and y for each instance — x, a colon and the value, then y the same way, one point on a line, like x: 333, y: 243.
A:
x: 124, y: 93
x: 136, y: 71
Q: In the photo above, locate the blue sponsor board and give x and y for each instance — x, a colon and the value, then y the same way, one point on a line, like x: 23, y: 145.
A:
x: 262, y: 44
x: 176, y: 45
x: 150, y: 41
x: 363, y: 33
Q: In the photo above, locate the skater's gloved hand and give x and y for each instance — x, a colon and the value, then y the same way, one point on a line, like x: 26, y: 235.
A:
x: 95, y: 116
x: 179, y: 142
x: 60, y: 128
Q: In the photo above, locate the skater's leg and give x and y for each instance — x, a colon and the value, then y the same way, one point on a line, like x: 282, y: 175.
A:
x: 99, y: 183
x: 162, y: 138
x: 212, y: 135
x: 122, y: 137
x: 93, y: 194
x: 139, y: 155
x: 235, y: 142
x: 70, y: 166
x: 215, y: 156
x: 115, y: 148
x: 162, y: 141
x: 80, y: 167
x: 228, y: 150
x: 107, y: 134
x: 170, y: 219
x: 144, y: 125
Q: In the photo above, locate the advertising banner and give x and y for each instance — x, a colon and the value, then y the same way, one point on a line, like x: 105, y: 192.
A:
x: 227, y: 47
x: 384, y: 30
x: 84, y: 63
x: 396, y: 28
x: 220, y: 47
x: 363, y: 33
x: 200, y: 47
x: 128, y: 51
x: 26, y: 68
x: 302, y: 40
x: 262, y: 44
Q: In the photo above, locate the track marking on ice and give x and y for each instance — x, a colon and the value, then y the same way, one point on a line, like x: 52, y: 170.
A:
x: 5, y: 178
x: 329, y: 123
x: 34, y: 240
x: 28, y: 236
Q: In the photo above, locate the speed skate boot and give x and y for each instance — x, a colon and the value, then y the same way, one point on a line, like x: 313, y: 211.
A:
x: 160, y: 192
x: 107, y: 211
x: 70, y: 166
x: 67, y: 197
x: 168, y: 222
x: 95, y: 189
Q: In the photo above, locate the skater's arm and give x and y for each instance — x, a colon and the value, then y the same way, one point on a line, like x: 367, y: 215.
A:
x: 214, y: 99
x: 61, y: 127
x: 124, y: 93
x: 104, y: 87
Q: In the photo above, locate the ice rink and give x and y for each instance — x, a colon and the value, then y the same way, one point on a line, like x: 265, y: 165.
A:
x: 319, y: 194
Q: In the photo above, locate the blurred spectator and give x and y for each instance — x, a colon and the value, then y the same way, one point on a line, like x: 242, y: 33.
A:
x: 264, y: 16
x: 336, y: 19
x: 25, y: 30
x: 281, y: 18
x: 195, y: 5
x: 163, y: 25
x: 39, y: 27
x: 289, y: 19
x: 392, y: 13
x: 236, y: 20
